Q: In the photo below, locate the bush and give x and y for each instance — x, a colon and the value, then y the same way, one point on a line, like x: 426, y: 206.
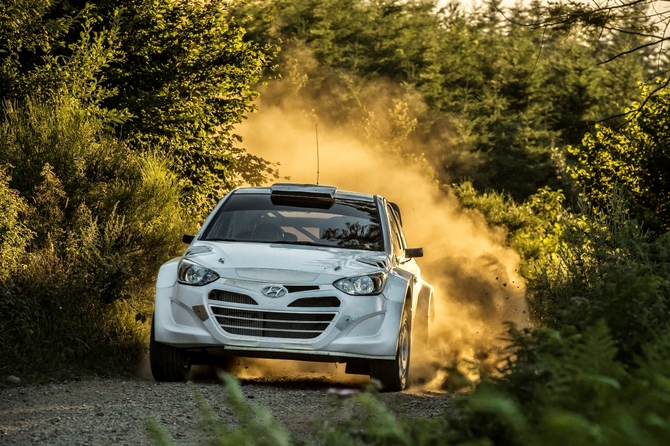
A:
x: 533, y: 226
x: 606, y: 268
x: 76, y: 286
x: 636, y: 157
x: 591, y: 370
x: 567, y: 385
x: 14, y: 234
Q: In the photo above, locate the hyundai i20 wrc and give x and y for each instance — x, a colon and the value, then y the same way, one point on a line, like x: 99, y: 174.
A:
x: 294, y: 271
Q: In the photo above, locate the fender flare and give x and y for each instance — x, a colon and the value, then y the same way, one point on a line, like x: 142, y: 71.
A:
x: 425, y: 315
x: 167, y: 274
x: 425, y: 305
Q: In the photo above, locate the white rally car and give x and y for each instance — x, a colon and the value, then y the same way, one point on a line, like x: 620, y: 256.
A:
x: 293, y: 271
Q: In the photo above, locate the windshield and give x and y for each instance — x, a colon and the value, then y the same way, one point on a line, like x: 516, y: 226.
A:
x: 258, y: 218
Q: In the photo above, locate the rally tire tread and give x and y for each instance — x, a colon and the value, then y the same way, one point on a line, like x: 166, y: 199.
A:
x: 167, y: 363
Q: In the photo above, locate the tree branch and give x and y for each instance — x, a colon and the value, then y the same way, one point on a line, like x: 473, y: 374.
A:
x: 623, y: 53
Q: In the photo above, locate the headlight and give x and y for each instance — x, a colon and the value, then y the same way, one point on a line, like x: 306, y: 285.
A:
x: 191, y: 273
x: 361, y: 285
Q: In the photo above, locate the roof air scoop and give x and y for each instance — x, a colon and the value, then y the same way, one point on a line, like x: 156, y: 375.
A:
x: 304, y: 190
x: 303, y: 195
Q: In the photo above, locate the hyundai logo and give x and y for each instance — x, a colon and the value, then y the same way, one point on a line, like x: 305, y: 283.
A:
x: 274, y: 291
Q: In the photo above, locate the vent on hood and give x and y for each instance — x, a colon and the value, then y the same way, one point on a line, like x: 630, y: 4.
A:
x: 197, y: 250
x: 372, y: 262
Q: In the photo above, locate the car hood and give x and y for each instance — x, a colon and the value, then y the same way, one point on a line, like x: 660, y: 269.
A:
x: 306, y: 263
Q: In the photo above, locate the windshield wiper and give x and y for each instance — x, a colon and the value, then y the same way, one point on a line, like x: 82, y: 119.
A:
x: 274, y: 242
x: 302, y: 243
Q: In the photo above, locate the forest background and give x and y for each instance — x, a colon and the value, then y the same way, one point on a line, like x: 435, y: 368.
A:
x: 117, y: 134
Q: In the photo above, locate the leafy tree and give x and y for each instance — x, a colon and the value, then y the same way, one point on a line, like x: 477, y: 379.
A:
x: 635, y: 158
x: 186, y: 79
x: 51, y: 45
x: 481, y: 98
x: 172, y: 76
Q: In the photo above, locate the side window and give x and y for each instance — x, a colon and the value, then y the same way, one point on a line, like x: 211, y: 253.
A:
x: 401, y: 234
x: 396, y: 233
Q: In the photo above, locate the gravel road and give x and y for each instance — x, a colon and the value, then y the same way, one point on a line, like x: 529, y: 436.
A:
x: 114, y: 411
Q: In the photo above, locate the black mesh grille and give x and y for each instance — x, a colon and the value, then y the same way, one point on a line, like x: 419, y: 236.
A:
x: 270, y: 324
x: 300, y: 288
x: 233, y: 298
x: 316, y: 302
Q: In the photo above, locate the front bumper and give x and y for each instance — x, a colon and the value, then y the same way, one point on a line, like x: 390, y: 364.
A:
x: 234, y: 317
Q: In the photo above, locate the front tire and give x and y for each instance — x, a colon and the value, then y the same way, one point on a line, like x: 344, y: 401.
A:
x: 167, y: 363
x: 393, y: 373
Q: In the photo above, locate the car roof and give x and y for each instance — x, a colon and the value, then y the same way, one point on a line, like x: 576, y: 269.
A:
x: 308, y: 188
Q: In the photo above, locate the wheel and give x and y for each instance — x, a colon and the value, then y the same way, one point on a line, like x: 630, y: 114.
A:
x: 422, y: 321
x: 393, y: 373
x: 167, y: 363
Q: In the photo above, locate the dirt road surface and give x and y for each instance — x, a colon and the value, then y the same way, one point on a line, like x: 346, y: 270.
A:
x: 115, y: 411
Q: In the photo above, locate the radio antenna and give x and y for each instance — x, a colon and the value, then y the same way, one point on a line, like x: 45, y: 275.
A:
x: 316, y: 128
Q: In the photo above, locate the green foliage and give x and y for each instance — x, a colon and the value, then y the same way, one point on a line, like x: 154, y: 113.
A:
x: 534, y: 226
x: 375, y: 424
x: 186, y: 79
x: 98, y: 220
x: 14, y: 233
x: 605, y: 268
x: 636, y: 159
x: 590, y: 370
x: 569, y: 385
x: 479, y: 97
x: 174, y: 77
x: 64, y: 54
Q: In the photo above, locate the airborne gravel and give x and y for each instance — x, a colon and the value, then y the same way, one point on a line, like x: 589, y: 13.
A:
x: 114, y: 411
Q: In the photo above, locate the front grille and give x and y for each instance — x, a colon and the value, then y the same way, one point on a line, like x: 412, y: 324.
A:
x: 271, y: 324
x: 316, y: 302
x: 233, y: 298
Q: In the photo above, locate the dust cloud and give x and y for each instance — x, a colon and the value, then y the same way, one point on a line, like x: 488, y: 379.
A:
x: 477, y: 287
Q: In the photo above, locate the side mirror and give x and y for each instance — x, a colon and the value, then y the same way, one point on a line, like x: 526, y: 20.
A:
x: 187, y: 238
x: 414, y: 252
